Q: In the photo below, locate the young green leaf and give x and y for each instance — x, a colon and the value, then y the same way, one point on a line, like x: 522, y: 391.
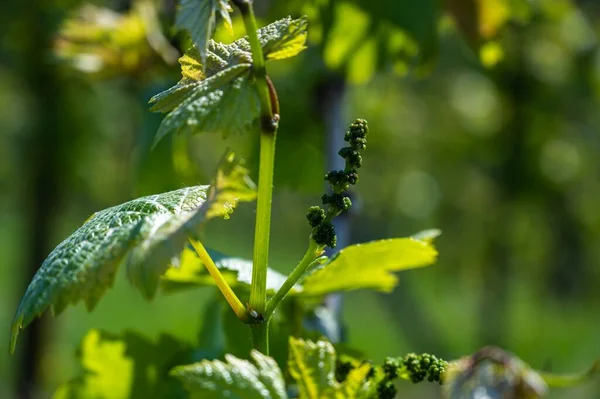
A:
x: 229, y: 109
x: 216, y: 92
x: 369, y: 265
x: 148, y: 232
x: 200, y: 18
x: 190, y: 272
x: 126, y: 367
x: 235, y: 378
x: 188, y: 88
x: 284, y: 38
x: 83, y: 266
x: 151, y: 258
x: 312, y: 366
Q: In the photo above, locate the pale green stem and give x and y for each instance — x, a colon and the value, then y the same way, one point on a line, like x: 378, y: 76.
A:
x: 313, y: 251
x: 268, y: 124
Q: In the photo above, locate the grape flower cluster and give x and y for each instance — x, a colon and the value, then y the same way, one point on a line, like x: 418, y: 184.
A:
x: 339, y: 180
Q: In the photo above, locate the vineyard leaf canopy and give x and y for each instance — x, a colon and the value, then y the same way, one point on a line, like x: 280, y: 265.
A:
x: 369, y: 265
x: 146, y: 232
x: 216, y: 91
x: 234, y: 378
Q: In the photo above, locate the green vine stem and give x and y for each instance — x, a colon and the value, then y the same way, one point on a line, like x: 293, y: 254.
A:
x: 268, y: 129
x: 313, y: 251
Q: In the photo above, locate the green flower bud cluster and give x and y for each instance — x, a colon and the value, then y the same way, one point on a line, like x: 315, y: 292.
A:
x: 418, y: 367
x: 386, y: 390
x: 425, y: 365
x: 340, y: 180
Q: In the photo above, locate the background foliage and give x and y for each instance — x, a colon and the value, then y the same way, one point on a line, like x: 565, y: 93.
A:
x: 484, y: 123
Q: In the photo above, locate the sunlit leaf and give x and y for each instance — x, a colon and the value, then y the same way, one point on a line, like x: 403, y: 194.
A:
x: 126, y: 367
x: 235, y: 378
x: 151, y: 258
x: 229, y: 109
x: 216, y: 92
x: 312, y: 366
x: 83, y: 266
x: 190, y: 272
x: 369, y: 265
x: 187, y: 87
x: 147, y: 232
x: 200, y: 18
x: 284, y: 38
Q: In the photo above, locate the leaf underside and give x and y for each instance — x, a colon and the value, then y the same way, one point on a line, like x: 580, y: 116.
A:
x: 235, y: 378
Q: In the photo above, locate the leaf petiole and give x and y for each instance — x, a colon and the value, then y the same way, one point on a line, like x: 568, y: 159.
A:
x: 232, y: 299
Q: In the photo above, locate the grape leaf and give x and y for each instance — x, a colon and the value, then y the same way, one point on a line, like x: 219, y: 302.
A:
x: 216, y: 92
x: 126, y: 367
x: 84, y: 265
x: 189, y: 88
x: 312, y: 366
x: 190, y: 272
x: 282, y: 39
x: 229, y: 109
x: 200, y: 18
x: 369, y: 265
x: 149, y: 260
x: 235, y: 378
x: 146, y: 232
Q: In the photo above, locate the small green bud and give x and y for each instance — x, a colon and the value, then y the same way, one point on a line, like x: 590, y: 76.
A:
x: 391, y: 366
x: 352, y: 176
x: 315, y: 216
x: 336, y: 177
x: 352, y: 157
x: 357, y: 135
x: 324, y: 234
x: 339, y: 202
x: 386, y: 390
x: 424, y: 366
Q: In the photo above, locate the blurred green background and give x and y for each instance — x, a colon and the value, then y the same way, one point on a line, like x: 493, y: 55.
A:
x: 484, y: 123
